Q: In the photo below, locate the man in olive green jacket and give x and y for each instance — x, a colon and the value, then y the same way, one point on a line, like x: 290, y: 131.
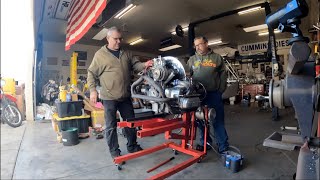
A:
x: 111, y: 67
x: 209, y: 69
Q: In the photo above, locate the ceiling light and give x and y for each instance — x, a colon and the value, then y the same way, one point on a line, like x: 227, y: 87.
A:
x: 101, y: 35
x: 184, y: 29
x: 125, y: 11
x: 250, y: 10
x: 136, y: 41
x: 255, y: 28
x: 267, y: 32
x: 175, y: 46
x: 214, y: 42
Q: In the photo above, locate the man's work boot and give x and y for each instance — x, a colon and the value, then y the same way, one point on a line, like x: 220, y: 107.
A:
x: 201, y: 148
x: 117, y: 154
x: 134, y: 148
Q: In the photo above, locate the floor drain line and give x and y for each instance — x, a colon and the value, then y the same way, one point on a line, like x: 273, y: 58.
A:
x: 14, y: 167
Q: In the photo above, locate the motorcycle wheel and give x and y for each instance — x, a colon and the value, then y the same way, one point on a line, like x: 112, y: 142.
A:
x: 12, y: 116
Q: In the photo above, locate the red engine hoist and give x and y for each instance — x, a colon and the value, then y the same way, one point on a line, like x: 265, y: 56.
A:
x: 158, y: 125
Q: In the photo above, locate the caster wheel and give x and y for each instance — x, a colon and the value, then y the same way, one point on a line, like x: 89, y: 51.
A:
x: 199, y: 161
x: 175, y: 152
x: 119, y: 167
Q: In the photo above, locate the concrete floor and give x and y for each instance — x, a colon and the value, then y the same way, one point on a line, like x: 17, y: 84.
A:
x: 32, y: 152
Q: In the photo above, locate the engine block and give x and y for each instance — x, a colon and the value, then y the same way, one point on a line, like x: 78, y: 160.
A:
x: 166, y: 87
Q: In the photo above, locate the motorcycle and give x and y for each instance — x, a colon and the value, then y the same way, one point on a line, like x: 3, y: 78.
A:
x: 9, y: 112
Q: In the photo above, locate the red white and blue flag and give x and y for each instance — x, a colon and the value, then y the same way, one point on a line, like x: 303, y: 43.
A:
x: 81, y: 16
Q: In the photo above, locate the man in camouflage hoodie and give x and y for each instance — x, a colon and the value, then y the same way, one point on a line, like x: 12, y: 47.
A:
x: 209, y: 69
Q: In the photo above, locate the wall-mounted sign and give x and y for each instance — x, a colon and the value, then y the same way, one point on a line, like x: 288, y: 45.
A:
x: 57, y: 9
x: 50, y: 7
x: 262, y: 46
x: 62, y: 9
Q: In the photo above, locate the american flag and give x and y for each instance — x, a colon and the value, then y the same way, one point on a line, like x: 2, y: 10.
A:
x: 81, y: 16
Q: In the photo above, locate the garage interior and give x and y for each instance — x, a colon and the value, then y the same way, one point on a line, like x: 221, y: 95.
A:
x: 270, y: 104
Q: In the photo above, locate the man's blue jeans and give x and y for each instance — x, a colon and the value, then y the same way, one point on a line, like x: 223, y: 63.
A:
x: 214, y: 100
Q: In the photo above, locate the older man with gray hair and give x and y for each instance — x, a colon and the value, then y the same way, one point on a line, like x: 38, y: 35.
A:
x: 111, y: 67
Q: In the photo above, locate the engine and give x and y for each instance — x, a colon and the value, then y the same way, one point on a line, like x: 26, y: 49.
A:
x: 166, y: 87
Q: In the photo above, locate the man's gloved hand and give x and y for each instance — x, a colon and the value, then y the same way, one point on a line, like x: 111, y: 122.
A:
x: 148, y: 64
x: 93, y: 96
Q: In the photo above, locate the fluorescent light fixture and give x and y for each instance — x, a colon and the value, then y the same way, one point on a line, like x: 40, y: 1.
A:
x: 267, y: 32
x: 214, y: 42
x: 256, y: 28
x: 175, y: 46
x: 136, y: 41
x: 184, y: 29
x: 250, y: 10
x: 101, y: 35
x: 125, y: 11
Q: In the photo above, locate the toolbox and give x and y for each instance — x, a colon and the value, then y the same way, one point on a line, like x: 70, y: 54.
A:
x: 67, y: 109
x: 80, y: 122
